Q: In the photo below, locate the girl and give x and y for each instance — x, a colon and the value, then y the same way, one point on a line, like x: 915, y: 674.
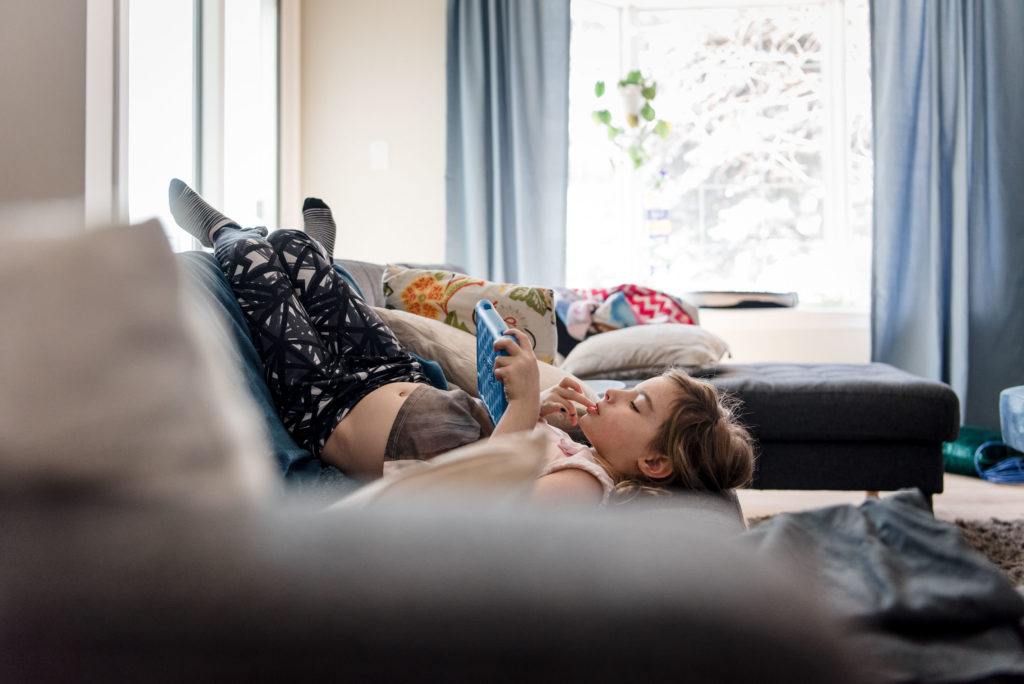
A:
x: 346, y: 389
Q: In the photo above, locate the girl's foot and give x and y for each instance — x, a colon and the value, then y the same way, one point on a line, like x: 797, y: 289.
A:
x: 318, y: 222
x: 193, y: 213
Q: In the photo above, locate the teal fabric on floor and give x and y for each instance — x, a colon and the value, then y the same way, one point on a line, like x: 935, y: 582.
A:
x: 958, y: 456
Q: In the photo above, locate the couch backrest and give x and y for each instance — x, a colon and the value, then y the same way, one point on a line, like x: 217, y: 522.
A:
x: 367, y: 276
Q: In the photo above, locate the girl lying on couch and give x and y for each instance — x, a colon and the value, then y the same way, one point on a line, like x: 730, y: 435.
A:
x: 346, y: 389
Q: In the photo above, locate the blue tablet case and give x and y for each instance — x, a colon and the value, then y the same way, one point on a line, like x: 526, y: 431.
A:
x: 489, y: 328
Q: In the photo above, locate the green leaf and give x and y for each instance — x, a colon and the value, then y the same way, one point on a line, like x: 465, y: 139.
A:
x: 633, y: 77
x: 602, y: 116
x: 599, y: 88
x: 452, y: 319
x: 637, y: 155
x: 661, y: 129
x: 613, y: 132
x: 650, y: 91
x: 647, y: 112
x: 534, y: 297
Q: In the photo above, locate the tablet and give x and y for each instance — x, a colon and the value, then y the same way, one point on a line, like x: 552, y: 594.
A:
x: 489, y: 328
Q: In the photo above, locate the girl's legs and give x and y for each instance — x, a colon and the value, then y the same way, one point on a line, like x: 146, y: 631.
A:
x: 347, y: 326
x: 315, y: 376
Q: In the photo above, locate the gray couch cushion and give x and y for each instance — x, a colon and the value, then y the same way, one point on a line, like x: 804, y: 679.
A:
x: 852, y: 402
x: 367, y: 276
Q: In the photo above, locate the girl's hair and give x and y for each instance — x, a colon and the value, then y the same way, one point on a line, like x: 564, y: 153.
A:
x: 709, y: 448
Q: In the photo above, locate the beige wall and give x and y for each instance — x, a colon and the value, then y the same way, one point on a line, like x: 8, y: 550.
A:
x: 373, y: 80
x: 42, y: 87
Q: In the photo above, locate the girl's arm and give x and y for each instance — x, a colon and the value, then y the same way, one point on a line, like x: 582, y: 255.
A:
x: 569, y: 486
x: 519, y: 373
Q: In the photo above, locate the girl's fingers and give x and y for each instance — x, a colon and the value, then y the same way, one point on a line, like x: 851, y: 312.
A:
x: 514, y: 336
x: 564, y: 407
x: 550, y: 407
x: 569, y: 383
x: 572, y: 395
x: 507, y: 345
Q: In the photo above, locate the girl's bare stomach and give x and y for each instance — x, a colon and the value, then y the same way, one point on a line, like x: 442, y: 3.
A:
x: 357, y: 445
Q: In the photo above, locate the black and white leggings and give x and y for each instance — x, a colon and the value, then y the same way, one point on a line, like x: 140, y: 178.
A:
x: 322, y: 347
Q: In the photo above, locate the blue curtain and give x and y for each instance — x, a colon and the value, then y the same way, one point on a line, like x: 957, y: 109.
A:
x: 948, y: 84
x: 507, y: 146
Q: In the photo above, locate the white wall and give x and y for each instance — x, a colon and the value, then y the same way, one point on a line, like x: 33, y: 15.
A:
x: 373, y: 82
x: 42, y: 88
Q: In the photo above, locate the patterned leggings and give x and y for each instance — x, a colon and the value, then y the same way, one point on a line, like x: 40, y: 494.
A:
x: 322, y: 347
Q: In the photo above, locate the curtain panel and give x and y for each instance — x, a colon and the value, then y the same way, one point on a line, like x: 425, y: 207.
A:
x: 507, y: 145
x: 949, y: 206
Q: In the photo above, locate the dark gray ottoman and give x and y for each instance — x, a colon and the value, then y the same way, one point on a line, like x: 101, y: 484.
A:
x: 843, y: 426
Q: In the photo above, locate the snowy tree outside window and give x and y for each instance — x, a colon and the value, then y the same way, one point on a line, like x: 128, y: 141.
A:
x: 764, y: 181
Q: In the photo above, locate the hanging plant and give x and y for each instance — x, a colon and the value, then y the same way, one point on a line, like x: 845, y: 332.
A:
x: 634, y: 137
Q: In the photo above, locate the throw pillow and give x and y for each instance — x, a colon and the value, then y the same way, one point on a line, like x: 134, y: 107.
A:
x: 455, y: 350
x: 492, y: 473
x: 450, y: 297
x: 643, y: 351
x: 112, y: 386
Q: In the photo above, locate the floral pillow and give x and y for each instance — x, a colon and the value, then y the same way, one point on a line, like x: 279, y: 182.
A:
x: 450, y: 298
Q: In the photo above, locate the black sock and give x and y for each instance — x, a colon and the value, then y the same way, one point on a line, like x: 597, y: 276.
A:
x: 193, y: 213
x: 318, y: 223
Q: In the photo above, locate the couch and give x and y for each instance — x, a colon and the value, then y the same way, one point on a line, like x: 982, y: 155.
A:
x: 151, y: 532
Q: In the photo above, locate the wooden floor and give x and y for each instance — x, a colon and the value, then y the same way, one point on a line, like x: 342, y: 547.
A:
x: 966, y: 498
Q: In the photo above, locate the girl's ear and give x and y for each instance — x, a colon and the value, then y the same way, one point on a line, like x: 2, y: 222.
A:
x: 655, y: 466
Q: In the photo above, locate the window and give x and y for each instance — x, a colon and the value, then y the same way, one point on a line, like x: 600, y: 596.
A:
x: 199, y: 102
x: 763, y: 181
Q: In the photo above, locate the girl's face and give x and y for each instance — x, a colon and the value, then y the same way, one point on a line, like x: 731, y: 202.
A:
x: 625, y: 422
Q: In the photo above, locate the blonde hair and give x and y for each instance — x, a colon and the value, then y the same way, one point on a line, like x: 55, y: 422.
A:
x: 709, y: 448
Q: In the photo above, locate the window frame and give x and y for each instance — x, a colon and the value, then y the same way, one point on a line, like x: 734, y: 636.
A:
x: 107, y: 182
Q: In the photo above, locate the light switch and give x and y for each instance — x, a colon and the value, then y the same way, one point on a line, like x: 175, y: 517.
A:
x: 379, y: 155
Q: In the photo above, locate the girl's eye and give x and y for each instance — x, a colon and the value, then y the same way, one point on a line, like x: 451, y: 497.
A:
x: 632, y: 405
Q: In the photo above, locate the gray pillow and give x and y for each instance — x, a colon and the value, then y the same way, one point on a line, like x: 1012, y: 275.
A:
x: 643, y: 351
x: 112, y: 385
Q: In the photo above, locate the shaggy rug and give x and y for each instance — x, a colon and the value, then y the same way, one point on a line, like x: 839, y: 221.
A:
x: 1001, y: 541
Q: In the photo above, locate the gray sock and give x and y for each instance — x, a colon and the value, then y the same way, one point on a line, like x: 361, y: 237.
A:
x: 318, y: 223
x: 193, y: 213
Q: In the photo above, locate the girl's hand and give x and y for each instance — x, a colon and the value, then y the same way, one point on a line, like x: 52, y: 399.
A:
x: 519, y: 374
x: 563, y: 398
x: 518, y: 371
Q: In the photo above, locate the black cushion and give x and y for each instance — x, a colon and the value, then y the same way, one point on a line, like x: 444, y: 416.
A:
x: 851, y: 402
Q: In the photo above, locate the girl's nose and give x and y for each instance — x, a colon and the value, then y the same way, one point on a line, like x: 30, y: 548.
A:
x: 615, y: 394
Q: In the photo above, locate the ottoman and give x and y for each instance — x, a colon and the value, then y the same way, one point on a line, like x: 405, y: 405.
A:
x: 867, y: 427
